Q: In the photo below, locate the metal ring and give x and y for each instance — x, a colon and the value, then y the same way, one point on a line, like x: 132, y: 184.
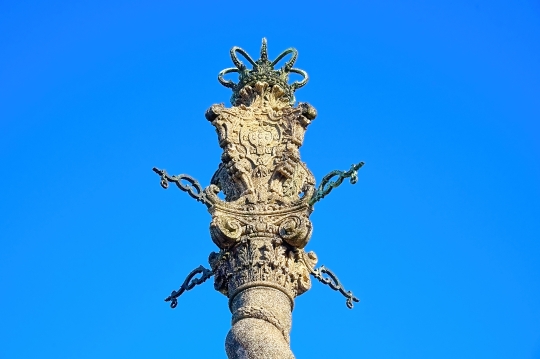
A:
x: 227, y: 83
x: 237, y: 62
x: 297, y: 84
x: 289, y: 64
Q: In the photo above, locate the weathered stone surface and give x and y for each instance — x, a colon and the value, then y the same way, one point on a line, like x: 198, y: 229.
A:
x: 261, y: 324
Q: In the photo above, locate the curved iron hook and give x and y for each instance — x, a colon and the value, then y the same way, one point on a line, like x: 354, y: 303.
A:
x: 333, y: 282
x: 239, y: 63
x: 227, y: 83
x: 289, y: 64
x: 189, y: 284
x: 327, y: 185
x: 297, y: 84
x: 193, y: 187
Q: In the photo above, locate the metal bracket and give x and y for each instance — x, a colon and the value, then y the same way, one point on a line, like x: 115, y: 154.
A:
x: 192, y: 187
x: 327, y: 185
x: 333, y: 282
x: 189, y: 284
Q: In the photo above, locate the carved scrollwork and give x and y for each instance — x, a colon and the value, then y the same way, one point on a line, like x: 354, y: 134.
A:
x: 225, y: 231
x: 260, y: 138
x: 296, y: 230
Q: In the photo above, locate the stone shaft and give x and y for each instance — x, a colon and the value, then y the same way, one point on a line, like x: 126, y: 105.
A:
x: 261, y: 324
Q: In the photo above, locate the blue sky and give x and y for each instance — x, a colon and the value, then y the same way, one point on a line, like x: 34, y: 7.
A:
x: 440, y: 237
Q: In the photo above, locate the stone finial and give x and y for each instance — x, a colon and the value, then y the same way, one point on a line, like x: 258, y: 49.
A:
x: 263, y: 71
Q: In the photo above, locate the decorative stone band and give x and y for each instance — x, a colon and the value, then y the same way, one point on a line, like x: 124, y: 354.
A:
x: 261, y: 324
x: 292, y: 225
x: 241, y: 288
x: 262, y: 261
x: 263, y: 314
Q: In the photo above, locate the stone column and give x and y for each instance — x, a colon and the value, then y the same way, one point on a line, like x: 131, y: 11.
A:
x: 260, y: 223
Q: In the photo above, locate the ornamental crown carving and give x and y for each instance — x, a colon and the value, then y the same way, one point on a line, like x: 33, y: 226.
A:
x: 263, y: 71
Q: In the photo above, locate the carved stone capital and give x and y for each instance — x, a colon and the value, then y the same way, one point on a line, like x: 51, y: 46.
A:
x: 262, y: 224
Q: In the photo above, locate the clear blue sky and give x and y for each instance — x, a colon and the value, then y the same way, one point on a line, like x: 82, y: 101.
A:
x: 440, y: 237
